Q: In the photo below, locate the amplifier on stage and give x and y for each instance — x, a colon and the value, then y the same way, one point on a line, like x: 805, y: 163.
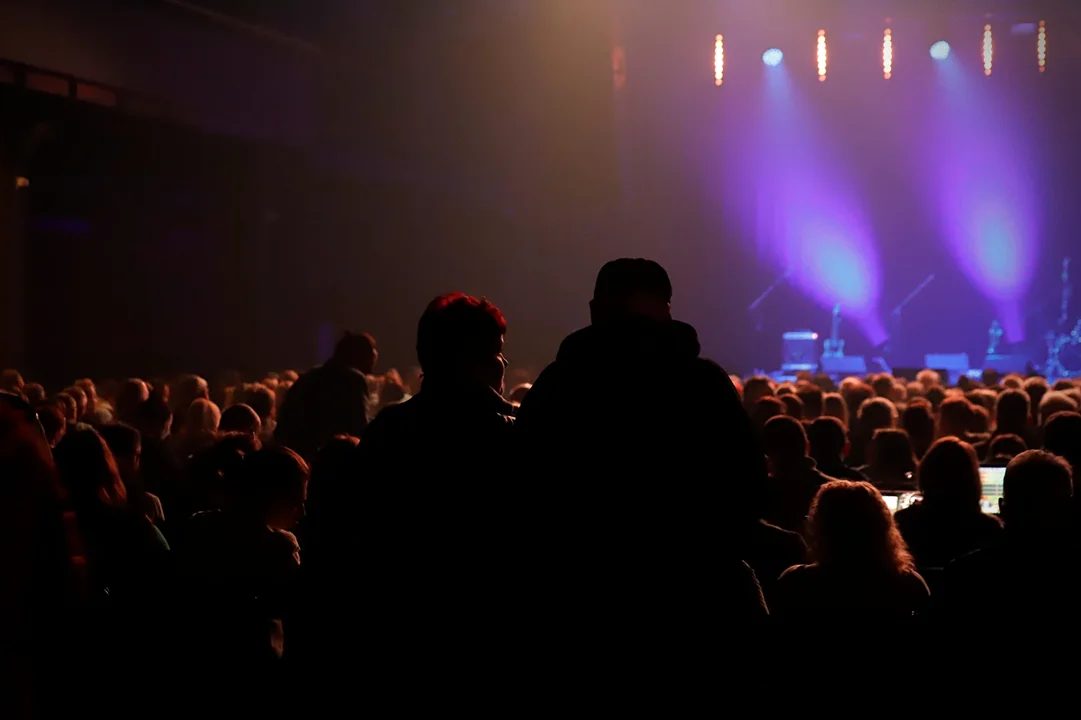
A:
x: 799, y: 351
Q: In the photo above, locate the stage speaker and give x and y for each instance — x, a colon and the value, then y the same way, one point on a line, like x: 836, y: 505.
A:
x: 848, y: 365
x: 955, y: 363
x: 1006, y: 364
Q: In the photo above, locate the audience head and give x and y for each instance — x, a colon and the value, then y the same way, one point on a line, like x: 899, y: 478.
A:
x: 1012, y: 413
x: 331, y: 472
x: 460, y: 341
x: 935, y: 395
x: 11, y: 382
x: 133, y: 392
x: 955, y: 417
x: 929, y: 379
x: 88, y: 471
x: 765, y: 409
x: 876, y: 414
x: 80, y: 399
x: 1055, y: 401
x: 919, y: 423
x: 812, y: 398
x: 852, y: 528
x: 1036, y: 387
x: 52, y: 422
x: 981, y: 419
x: 785, y: 441
x: 793, y: 405
x: 914, y: 390
x: 202, y: 418
x: 834, y: 406
x: 240, y: 418
x: 1063, y: 385
x: 1004, y: 448
x: 631, y: 287
x: 68, y: 406
x: 892, y: 448
x: 855, y: 396
x: 950, y: 476
x: 274, y: 486
x: 1013, y: 381
x: 127, y: 448
x: 358, y: 351
x: 153, y: 418
x: 828, y: 440
x: 883, y: 386
x: 1062, y: 436
x: 755, y: 389
x: 34, y: 393
x: 261, y: 399
x: 1037, y: 493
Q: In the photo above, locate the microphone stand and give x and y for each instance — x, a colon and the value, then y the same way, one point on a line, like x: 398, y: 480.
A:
x: 895, y: 316
x: 778, y: 281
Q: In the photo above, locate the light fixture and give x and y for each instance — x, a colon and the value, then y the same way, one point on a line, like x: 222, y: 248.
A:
x: 887, y: 54
x: 988, y: 50
x: 718, y: 61
x: 822, y: 56
x: 940, y: 50
x: 772, y: 57
x: 1041, y: 45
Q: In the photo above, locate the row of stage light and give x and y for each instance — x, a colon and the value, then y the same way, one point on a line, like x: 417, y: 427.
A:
x: 939, y: 51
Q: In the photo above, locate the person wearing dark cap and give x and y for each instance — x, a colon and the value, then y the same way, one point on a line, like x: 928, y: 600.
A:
x: 329, y: 400
x: 639, y: 481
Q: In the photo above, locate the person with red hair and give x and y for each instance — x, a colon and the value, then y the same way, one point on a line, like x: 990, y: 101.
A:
x: 459, y: 416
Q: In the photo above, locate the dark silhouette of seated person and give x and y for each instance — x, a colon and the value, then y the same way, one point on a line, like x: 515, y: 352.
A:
x: 793, y: 478
x: 892, y: 463
x: 236, y: 566
x: 874, y: 413
x: 793, y: 405
x: 459, y: 416
x: 812, y: 397
x: 1013, y: 416
x: 241, y: 418
x: 1062, y: 437
x: 1030, y: 576
x: 918, y: 421
x: 768, y: 549
x: 1004, y: 448
x: 765, y: 410
x: 829, y: 446
x: 860, y: 568
x: 329, y: 400
x: 948, y: 522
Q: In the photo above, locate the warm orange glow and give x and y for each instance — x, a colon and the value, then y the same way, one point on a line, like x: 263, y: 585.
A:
x: 718, y: 61
x: 1041, y: 46
x: 988, y: 50
x: 823, y: 59
x: 887, y: 54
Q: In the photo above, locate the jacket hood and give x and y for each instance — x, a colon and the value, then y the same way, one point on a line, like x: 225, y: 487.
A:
x: 631, y: 342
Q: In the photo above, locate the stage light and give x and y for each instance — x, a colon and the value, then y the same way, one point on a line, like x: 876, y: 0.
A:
x: 1041, y: 45
x: 988, y: 50
x: 772, y: 57
x: 718, y: 61
x: 887, y: 54
x: 822, y: 58
x: 940, y: 50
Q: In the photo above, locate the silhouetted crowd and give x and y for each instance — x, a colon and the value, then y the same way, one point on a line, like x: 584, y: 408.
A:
x: 338, y: 539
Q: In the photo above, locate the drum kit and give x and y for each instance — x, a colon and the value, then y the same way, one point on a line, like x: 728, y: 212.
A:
x: 1064, y: 348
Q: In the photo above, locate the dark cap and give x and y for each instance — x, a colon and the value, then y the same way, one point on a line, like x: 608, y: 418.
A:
x: 627, y: 277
